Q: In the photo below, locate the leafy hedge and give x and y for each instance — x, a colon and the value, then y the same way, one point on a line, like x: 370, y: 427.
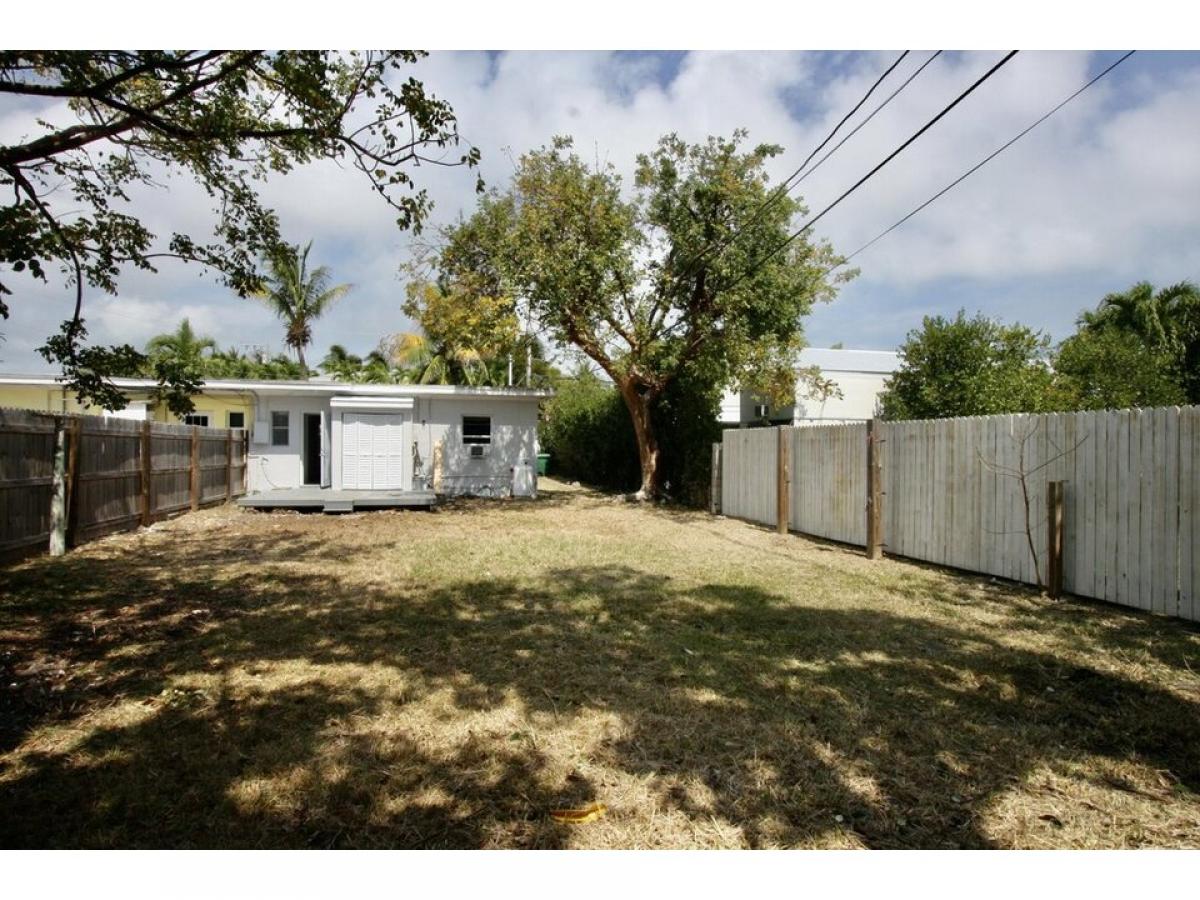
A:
x: 586, y: 430
x: 686, y: 421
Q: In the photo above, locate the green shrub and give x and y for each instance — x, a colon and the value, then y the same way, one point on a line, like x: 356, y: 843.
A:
x: 586, y: 430
x: 686, y: 422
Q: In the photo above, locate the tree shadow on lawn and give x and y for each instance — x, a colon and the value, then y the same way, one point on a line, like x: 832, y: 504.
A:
x: 793, y: 724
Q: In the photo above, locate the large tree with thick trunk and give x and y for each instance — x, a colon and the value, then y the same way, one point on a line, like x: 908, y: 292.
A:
x: 686, y: 275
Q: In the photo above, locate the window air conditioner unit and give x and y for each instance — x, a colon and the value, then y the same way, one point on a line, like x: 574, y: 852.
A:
x: 478, y: 451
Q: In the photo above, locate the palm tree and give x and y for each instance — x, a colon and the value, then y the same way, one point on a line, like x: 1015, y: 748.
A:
x: 342, y: 364
x: 377, y: 369
x: 1137, y: 311
x: 1166, y: 321
x: 297, y: 295
x: 429, y: 363
x: 182, y: 345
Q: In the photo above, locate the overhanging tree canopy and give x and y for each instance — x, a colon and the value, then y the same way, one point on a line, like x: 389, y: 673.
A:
x: 635, y: 283
x: 226, y: 119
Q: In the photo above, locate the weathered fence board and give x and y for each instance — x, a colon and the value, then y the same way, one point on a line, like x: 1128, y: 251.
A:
x: 107, y: 474
x: 26, y: 471
x: 748, y: 474
x: 829, y: 486
x: 952, y: 494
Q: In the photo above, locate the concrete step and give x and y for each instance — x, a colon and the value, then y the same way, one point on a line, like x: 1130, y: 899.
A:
x: 339, y: 506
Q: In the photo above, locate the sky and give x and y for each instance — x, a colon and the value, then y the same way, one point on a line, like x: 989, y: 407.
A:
x: 1100, y: 196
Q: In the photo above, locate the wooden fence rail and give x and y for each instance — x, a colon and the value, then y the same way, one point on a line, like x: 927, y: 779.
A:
x: 117, y: 474
x: 974, y: 493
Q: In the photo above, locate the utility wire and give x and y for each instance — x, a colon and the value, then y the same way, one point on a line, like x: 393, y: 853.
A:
x: 854, y: 187
x: 979, y: 165
x: 872, y: 114
x: 786, y: 185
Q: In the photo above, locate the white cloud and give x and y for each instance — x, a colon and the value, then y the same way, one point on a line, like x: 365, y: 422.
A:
x: 1100, y: 195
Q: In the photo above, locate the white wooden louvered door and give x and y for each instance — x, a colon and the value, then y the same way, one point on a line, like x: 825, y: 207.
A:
x: 373, y: 451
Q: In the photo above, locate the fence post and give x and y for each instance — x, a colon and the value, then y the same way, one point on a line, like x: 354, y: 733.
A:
x: 74, y: 439
x: 714, y: 488
x: 195, y: 467
x: 782, y: 480
x: 147, y: 474
x: 245, y: 462
x: 1054, y: 512
x: 58, y: 490
x: 228, y: 465
x: 874, y: 494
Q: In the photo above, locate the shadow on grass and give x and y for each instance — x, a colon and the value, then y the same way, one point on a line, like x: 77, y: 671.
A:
x: 736, y: 703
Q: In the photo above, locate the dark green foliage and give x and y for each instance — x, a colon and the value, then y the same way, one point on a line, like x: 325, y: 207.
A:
x: 586, y: 430
x: 298, y: 295
x: 1109, y: 369
x: 969, y: 367
x: 1158, y: 329
x: 258, y: 366
x: 686, y: 418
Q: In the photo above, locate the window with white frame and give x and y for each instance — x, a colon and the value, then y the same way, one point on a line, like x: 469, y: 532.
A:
x: 477, y: 429
x: 196, y: 418
x: 235, y: 420
x: 279, y: 428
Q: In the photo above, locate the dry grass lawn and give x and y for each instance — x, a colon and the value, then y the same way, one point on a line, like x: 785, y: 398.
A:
x: 446, y: 679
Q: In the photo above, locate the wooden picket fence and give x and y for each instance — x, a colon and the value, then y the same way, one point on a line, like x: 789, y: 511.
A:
x: 113, y: 475
x: 955, y: 492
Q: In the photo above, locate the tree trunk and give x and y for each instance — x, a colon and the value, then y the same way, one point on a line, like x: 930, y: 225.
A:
x: 300, y: 357
x: 643, y: 429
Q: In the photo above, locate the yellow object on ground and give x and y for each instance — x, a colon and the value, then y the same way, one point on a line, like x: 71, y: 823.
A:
x: 579, y: 816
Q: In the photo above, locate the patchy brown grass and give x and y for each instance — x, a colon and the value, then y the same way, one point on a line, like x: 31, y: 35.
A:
x: 446, y: 679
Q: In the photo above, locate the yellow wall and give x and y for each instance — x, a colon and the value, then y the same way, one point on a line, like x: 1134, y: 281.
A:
x: 48, y: 399
x: 36, y: 397
x: 218, y: 407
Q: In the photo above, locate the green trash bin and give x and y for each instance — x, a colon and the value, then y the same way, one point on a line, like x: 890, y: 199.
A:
x: 543, y: 463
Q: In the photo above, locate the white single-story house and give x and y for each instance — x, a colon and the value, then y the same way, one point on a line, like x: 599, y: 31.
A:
x: 860, y: 376
x: 321, y: 433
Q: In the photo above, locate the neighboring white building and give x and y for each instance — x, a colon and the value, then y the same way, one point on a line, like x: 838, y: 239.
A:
x: 859, y: 375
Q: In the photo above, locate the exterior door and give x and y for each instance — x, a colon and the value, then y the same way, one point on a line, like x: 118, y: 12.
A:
x: 326, y: 453
x: 373, y: 451
x: 314, y: 448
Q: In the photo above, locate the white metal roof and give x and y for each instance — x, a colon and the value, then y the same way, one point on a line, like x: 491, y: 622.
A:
x: 851, y: 360
x: 329, y: 388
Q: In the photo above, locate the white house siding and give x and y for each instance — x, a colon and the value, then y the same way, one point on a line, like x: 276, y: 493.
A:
x: 859, y: 400
x: 731, y: 408
x: 271, y: 467
x: 860, y: 375
x: 514, y: 441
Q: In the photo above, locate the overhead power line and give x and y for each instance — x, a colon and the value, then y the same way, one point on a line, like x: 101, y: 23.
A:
x: 785, y: 186
x: 870, y: 116
x: 983, y: 162
x: 854, y: 187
